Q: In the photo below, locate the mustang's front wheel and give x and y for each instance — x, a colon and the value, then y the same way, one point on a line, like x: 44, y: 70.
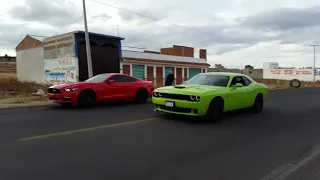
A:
x: 86, y: 98
x: 215, y: 110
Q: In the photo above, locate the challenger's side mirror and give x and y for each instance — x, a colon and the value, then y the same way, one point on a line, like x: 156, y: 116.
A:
x: 238, y: 85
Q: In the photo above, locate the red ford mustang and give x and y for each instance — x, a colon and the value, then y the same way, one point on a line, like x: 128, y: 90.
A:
x: 103, y: 87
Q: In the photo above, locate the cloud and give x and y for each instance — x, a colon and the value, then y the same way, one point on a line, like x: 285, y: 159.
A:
x: 253, y: 34
x: 55, y: 13
x: 103, y: 17
x: 283, y: 19
x: 12, y: 33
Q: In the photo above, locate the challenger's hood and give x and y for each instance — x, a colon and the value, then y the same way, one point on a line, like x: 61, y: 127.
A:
x: 189, y: 89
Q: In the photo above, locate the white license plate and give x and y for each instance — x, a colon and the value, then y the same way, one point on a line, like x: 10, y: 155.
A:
x: 168, y: 104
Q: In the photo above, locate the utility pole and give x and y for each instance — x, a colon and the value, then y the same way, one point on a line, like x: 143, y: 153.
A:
x: 314, y: 61
x: 117, y: 30
x: 89, y: 61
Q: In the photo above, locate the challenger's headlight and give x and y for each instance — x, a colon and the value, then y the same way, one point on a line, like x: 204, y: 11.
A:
x: 71, y: 89
x: 155, y: 94
x: 195, y: 98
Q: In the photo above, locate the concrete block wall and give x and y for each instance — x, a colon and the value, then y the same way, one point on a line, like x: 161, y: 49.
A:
x: 8, y: 67
x: 255, y: 74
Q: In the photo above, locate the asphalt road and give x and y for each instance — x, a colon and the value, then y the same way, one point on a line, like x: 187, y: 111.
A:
x: 131, y: 142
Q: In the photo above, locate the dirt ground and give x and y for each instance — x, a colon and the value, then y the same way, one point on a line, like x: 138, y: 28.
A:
x: 14, y: 93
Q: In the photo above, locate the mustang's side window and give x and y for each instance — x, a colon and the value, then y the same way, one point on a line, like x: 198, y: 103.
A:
x: 120, y: 78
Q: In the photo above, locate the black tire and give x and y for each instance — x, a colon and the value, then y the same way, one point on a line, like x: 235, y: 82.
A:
x: 295, y: 83
x: 141, y: 96
x: 87, y: 98
x: 258, y: 104
x: 215, y: 110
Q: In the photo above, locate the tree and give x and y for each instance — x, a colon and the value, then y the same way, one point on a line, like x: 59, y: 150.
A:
x: 218, y: 66
x: 249, y: 68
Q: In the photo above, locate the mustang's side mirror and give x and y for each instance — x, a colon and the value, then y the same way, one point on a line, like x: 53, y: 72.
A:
x: 111, y: 81
x: 238, y: 85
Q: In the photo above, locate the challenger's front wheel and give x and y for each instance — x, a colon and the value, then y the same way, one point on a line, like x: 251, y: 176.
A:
x: 258, y: 104
x: 215, y: 110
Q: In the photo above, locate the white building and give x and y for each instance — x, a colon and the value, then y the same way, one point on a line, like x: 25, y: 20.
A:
x: 270, y: 65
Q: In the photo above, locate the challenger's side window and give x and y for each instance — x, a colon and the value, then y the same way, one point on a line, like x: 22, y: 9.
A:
x: 235, y: 80
x: 246, y: 81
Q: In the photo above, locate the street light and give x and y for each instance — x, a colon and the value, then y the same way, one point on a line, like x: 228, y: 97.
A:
x: 89, y: 61
x: 314, y: 61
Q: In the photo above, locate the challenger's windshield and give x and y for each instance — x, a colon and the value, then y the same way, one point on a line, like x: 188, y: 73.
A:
x: 98, y: 78
x: 209, y: 79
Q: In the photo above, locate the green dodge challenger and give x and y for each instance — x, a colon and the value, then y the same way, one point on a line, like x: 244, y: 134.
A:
x: 209, y: 95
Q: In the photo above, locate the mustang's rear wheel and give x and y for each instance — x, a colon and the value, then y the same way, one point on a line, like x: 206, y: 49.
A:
x: 87, y: 98
x: 141, y: 96
x: 258, y: 104
x: 215, y: 110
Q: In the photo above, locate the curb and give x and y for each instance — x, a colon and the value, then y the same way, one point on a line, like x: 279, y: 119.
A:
x: 24, y: 106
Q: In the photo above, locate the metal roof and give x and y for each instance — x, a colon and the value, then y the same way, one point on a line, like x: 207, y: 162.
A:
x: 101, y: 35
x: 82, y: 32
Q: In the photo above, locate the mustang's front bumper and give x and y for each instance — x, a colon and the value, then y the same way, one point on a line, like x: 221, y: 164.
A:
x: 180, y: 107
x: 64, y: 97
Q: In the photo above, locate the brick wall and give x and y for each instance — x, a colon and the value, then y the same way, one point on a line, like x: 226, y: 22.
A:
x: 183, y: 51
x: 178, y: 51
x: 203, y: 53
x: 167, y: 51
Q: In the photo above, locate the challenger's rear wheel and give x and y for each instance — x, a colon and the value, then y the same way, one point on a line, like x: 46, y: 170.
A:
x: 215, y: 110
x: 258, y: 104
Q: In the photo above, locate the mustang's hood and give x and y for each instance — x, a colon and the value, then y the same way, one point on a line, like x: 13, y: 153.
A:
x: 69, y: 85
x: 189, y: 89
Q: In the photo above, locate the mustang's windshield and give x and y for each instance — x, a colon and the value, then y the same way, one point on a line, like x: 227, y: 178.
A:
x: 98, y: 78
x: 209, y: 79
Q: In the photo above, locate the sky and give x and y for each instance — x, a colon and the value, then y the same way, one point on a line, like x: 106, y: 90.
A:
x: 234, y: 32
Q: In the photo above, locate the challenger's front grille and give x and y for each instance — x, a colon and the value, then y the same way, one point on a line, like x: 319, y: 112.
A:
x: 54, y: 91
x: 175, y: 109
x: 175, y: 96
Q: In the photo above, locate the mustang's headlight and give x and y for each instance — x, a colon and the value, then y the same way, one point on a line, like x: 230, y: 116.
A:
x: 195, y: 98
x: 71, y: 89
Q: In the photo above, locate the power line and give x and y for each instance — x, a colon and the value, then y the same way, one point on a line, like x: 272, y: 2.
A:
x: 167, y: 22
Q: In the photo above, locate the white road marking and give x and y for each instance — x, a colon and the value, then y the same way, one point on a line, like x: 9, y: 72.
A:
x: 283, y: 171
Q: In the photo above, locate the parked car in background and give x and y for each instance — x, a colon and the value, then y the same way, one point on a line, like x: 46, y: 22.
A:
x: 209, y: 95
x: 100, y: 88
